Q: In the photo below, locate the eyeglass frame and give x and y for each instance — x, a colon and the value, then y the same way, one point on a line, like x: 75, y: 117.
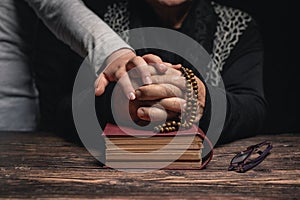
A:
x: 243, y: 166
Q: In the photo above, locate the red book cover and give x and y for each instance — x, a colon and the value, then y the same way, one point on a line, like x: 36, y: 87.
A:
x: 112, y: 130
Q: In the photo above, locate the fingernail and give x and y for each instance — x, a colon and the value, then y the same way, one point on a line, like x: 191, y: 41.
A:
x: 138, y: 93
x: 131, y: 96
x: 178, y: 66
x: 140, y: 112
x: 148, y: 80
x: 97, y: 91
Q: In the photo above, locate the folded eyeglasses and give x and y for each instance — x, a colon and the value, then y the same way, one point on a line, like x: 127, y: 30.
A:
x: 250, y: 157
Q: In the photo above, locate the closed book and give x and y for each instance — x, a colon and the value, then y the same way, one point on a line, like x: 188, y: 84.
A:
x: 135, y: 148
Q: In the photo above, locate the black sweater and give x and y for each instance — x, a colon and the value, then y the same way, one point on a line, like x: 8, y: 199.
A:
x: 241, y: 74
x: 243, y: 80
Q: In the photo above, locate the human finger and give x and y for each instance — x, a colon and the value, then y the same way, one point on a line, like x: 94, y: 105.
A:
x: 100, y: 84
x: 174, y: 104
x: 178, y: 66
x: 176, y: 80
x: 158, y: 91
x: 138, y: 62
x: 136, y: 71
x: 199, y: 114
x: 155, y: 61
x: 155, y: 114
x: 126, y: 85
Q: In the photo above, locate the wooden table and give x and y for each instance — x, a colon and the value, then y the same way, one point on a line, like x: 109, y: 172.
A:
x: 40, y: 165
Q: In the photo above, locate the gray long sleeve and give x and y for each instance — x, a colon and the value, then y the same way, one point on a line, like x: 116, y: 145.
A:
x: 18, y: 95
x: 77, y: 26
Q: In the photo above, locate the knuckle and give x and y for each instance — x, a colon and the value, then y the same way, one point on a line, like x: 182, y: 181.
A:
x: 143, y: 71
x: 118, y: 74
x: 149, y: 55
x: 142, y: 92
x: 174, y: 103
x: 172, y: 91
x: 136, y: 59
x: 154, y: 79
x: 157, y: 114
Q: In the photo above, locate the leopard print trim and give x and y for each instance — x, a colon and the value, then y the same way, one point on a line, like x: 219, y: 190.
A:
x: 231, y: 24
x: 117, y: 17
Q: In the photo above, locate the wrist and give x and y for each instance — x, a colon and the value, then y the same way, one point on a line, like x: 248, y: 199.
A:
x: 119, y: 53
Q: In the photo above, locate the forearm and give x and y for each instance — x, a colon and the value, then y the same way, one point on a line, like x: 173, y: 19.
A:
x: 77, y: 26
x: 246, y: 114
x: 229, y: 116
x: 245, y: 102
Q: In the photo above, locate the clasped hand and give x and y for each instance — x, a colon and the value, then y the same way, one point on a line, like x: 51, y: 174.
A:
x: 148, y: 89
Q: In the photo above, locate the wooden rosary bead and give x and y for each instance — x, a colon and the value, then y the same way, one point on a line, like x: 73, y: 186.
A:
x: 193, y: 118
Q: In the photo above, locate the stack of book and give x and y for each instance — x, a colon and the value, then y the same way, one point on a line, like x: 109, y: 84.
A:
x: 134, y: 148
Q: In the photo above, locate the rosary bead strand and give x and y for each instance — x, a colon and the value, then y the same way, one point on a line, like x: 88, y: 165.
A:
x: 187, y: 118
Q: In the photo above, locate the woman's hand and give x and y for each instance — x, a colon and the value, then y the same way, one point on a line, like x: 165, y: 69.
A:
x: 169, y: 101
x: 122, y: 61
x: 164, y: 99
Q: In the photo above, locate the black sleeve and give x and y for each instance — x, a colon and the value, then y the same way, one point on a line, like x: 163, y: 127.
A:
x: 243, y: 81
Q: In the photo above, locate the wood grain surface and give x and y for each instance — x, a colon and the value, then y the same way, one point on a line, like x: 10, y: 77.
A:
x: 42, y: 165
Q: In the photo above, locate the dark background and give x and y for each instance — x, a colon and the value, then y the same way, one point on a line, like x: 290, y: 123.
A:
x: 277, y: 21
x: 278, y: 24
